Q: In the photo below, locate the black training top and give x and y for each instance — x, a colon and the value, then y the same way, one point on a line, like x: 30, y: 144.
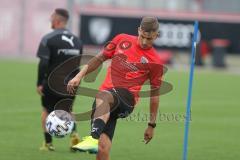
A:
x: 55, y: 48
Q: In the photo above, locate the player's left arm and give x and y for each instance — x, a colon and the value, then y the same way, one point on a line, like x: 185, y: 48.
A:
x: 42, y: 67
x: 155, y: 75
x: 154, y: 103
x: 153, y: 110
x: 43, y: 54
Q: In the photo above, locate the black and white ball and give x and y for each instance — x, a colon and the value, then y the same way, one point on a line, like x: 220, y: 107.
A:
x: 59, y: 123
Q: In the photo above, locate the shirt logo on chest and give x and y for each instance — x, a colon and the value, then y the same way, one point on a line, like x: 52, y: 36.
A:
x: 125, y: 45
x: 144, y: 60
x: 69, y: 40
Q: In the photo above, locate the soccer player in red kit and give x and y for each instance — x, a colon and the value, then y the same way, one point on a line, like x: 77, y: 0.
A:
x: 134, y: 61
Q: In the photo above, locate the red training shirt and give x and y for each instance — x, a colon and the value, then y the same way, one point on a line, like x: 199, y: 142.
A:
x: 131, y: 65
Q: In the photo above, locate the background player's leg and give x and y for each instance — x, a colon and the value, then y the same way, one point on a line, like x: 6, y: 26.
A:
x: 66, y: 104
x: 74, y: 135
x: 104, y: 100
x: 43, y: 119
x: 48, y: 138
x: 104, y: 147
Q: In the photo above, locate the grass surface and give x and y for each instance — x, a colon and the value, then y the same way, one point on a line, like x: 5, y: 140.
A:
x: 214, y: 129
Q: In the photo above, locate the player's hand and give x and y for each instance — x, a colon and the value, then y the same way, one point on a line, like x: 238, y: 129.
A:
x: 148, y: 134
x: 40, y: 90
x: 73, y: 85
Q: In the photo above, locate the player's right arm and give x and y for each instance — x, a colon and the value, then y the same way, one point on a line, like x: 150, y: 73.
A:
x: 91, y: 66
x: 94, y: 63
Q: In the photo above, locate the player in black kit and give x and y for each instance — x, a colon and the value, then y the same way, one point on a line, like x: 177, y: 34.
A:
x: 56, y: 48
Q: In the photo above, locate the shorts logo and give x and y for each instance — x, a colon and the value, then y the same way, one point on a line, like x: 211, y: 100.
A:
x: 144, y: 60
x: 125, y: 45
x: 94, y: 130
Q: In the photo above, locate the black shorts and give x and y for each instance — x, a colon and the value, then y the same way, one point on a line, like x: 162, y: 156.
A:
x: 52, y: 101
x: 123, y: 106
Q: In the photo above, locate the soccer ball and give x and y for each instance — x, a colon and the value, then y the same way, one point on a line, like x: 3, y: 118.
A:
x: 59, y: 123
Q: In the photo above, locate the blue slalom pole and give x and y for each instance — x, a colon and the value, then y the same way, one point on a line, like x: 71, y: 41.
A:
x: 189, y: 98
